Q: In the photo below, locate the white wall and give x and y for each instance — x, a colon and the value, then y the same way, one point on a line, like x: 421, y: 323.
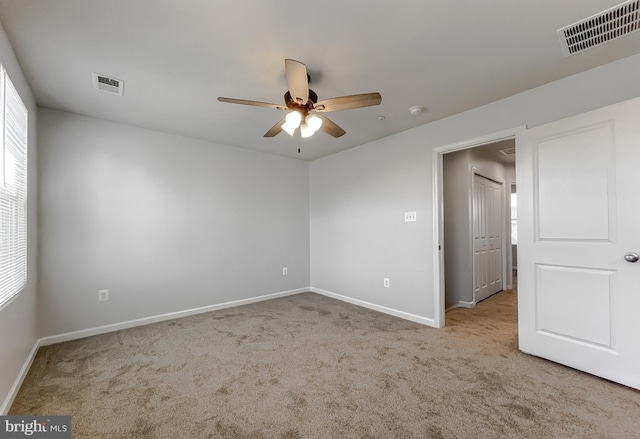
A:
x: 18, y: 320
x: 358, y: 197
x: 458, y: 250
x: 166, y: 223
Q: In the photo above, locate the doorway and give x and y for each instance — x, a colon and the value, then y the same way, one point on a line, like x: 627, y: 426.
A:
x: 489, y: 157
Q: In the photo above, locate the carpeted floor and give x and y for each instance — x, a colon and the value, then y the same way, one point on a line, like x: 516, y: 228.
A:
x: 307, y: 366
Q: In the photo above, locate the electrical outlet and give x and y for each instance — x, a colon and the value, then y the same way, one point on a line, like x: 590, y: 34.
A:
x: 386, y: 282
x: 410, y: 217
x: 103, y: 295
x: 285, y: 271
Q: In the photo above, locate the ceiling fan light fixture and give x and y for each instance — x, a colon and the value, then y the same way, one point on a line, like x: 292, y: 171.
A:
x: 314, y: 122
x: 293, y: 119
x: 288, y: 128
x: 291, y: 122
x: 306, y: 131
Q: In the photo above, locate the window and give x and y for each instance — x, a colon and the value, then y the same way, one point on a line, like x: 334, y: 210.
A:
x: 514, y: 218
x: 13, y: 191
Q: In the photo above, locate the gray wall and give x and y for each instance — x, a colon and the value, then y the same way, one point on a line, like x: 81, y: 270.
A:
x: 166, y: 223
x: 358, y: 233
x: 18, y: 320
x: 458, y: 250
x: 358, y: 197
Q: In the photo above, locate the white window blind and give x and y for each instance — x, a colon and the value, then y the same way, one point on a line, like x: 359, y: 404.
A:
x: 13, y: 191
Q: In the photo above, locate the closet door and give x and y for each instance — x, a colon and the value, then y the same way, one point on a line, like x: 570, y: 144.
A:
x: 487, y: 237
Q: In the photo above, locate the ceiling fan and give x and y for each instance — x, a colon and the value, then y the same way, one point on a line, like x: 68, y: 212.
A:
x: 303, y: 105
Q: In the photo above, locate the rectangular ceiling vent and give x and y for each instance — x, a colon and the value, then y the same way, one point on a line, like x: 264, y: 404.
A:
x: 608, y: 25
x: 508, y: 151
x: 110, y: 85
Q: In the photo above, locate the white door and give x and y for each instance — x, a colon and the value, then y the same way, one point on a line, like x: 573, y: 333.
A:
x: 579, y: 214
x: 487, y: 237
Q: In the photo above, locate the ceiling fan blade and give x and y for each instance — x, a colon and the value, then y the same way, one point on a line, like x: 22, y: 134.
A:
x: 330, y: 127
x: 252, y: 103
x: 274, y: 129
x: 348, y: 102
x: 297, y: 80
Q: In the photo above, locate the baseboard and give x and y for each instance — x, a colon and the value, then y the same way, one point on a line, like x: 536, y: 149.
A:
x: 462, y: 304
x: 373, y: 306
x: 74, y: 335
x: 13, y: 392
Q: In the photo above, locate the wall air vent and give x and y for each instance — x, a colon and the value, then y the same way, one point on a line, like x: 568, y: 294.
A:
x: 110, y: 85
x: 608, y: 25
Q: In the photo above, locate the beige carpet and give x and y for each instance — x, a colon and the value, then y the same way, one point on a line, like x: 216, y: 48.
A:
x: 307, y: 366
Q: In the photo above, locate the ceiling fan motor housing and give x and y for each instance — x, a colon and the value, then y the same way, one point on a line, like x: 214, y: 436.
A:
x: 304, y: 109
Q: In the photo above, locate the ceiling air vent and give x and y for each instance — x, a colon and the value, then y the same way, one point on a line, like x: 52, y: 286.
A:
x: 508, y: 151
x: 598, y: 29
x: 110, y: 85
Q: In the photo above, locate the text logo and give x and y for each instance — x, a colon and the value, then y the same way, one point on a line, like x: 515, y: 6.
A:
x: 36, y: 427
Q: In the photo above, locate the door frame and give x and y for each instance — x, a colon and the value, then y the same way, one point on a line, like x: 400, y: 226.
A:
x: 438, y: 210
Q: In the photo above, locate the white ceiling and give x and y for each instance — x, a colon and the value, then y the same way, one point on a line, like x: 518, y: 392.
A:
x: 177, y: 57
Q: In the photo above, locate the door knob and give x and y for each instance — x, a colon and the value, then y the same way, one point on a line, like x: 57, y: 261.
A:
x: 631, y: 257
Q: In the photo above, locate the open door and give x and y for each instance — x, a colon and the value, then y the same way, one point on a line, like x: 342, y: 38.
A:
x: 578, y: 232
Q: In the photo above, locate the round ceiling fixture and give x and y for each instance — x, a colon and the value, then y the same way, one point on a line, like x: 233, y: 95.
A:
x: 416, y: 109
